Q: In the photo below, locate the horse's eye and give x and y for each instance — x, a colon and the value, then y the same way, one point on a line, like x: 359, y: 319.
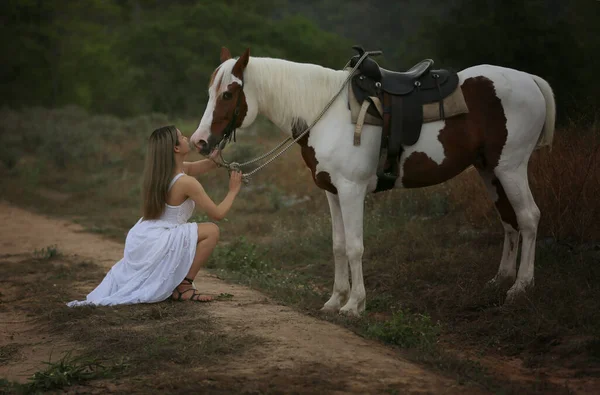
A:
x: 227, y: 95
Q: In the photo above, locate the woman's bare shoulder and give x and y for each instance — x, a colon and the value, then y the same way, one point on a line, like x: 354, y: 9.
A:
x: 190, y: 182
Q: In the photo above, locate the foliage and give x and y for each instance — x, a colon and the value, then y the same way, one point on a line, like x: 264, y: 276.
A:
x: 559, y: 41
x: 128, y: 57
x: 536, y: 36
x: 133, y: 57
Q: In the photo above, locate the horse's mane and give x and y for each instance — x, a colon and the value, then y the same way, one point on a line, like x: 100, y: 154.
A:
x: 288, y: 90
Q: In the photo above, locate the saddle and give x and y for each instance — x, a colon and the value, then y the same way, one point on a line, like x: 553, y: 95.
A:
x: 398, y: 99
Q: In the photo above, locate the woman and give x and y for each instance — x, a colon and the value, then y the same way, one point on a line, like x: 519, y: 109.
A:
x: 163, y: 253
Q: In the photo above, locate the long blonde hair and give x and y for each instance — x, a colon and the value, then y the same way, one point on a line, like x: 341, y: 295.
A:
x: 158, y: 170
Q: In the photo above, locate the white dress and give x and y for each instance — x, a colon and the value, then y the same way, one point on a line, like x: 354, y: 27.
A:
x: 158, y: 255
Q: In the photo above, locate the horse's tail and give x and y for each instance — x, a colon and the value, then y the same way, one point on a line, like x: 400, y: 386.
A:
x: 547, y: 134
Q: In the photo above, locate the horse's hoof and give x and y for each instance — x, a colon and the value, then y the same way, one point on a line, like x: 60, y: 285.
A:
x: 329, y: 309
x: 511, y: 297
x: 499, y: 281
x: 515, y: 292
x: 350, y: 311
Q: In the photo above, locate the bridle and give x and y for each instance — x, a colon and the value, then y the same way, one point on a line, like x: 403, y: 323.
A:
x: 229, y: 131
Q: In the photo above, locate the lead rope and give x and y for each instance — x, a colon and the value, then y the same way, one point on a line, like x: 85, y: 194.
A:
x: 234, y: 166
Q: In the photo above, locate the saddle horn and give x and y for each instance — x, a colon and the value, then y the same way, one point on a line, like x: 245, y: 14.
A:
x: 361, y: 51
x: 369, y: 66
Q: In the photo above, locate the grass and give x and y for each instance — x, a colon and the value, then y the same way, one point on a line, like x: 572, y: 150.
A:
x: 428, y: 252
x: 66, y: 372
x: 248, y: 264
x: 46, y: 253
x: 69, y: 371
x: 405, y: 330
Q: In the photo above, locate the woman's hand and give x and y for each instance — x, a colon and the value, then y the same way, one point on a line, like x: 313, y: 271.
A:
x: 213, y: 155
x: 235, y: 181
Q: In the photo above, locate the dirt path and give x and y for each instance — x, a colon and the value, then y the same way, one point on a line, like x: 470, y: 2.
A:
x: 299, y: 353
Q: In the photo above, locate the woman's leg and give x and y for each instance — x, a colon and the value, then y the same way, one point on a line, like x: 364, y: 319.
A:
x: 208, y: 235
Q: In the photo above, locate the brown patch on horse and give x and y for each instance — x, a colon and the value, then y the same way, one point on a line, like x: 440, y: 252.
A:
x: 240, y: 65
x: 212, y: 79
x: 322, y: 179
x: 224, y: 108
x: 476, y: 138
x: 505, y: 209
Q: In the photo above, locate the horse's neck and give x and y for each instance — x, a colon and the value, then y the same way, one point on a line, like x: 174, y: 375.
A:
x: 287, y: 91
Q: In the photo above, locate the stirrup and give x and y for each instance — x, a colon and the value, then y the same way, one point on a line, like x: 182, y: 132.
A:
x: 390, y: 174
x: 391, y: 177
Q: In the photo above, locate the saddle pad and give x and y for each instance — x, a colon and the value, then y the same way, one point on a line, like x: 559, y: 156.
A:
x: 355, y: 109
x: 453, y: 105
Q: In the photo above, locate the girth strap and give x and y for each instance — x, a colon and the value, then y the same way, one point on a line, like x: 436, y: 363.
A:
x: 360, y: 121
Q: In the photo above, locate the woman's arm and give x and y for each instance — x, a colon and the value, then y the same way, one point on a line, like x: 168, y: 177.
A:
x: 217, y: 212
x: 198, y: 167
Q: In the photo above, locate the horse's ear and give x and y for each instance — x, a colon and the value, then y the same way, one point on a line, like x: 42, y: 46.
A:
x: 225, y: 54
x: 240, y: 65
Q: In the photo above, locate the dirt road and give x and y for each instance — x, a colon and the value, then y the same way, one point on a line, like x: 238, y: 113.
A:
x: 298, y: 354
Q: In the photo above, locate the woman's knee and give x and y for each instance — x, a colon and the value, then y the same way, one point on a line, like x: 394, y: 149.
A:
x: 208, y: 230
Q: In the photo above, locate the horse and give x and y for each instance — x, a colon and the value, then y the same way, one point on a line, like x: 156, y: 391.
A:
x: 511, y: 114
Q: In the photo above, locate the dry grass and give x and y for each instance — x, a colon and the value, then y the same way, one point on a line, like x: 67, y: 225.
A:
x: 565, y: 183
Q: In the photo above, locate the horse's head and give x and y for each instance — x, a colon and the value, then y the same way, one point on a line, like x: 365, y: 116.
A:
x: 229, y: 105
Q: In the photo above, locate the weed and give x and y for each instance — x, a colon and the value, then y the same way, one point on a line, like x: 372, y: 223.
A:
x: 68, y: 371
x: 275, y: 198
x: 224, y: 296
x: 241, y: 256
x: 405, y: 330
x: 47, y: 253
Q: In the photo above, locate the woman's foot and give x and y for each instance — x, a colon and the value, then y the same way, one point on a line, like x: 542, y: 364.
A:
x: 186, y: 291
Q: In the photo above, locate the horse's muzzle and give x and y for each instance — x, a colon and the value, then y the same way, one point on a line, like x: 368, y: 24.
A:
x: 202, y: 147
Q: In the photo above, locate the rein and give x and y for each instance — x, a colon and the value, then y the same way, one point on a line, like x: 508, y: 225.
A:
x: 230, y: 131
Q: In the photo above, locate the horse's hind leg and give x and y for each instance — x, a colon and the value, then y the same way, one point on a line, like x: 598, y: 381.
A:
x: 341, y: 285
x: 516, y: 185
x: 508, y: 264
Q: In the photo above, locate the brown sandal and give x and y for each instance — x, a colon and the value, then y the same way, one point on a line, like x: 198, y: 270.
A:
x: 196, y: 297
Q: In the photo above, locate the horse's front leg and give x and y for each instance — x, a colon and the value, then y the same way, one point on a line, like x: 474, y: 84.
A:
x: 341, y: 285
x: 352, y: 197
